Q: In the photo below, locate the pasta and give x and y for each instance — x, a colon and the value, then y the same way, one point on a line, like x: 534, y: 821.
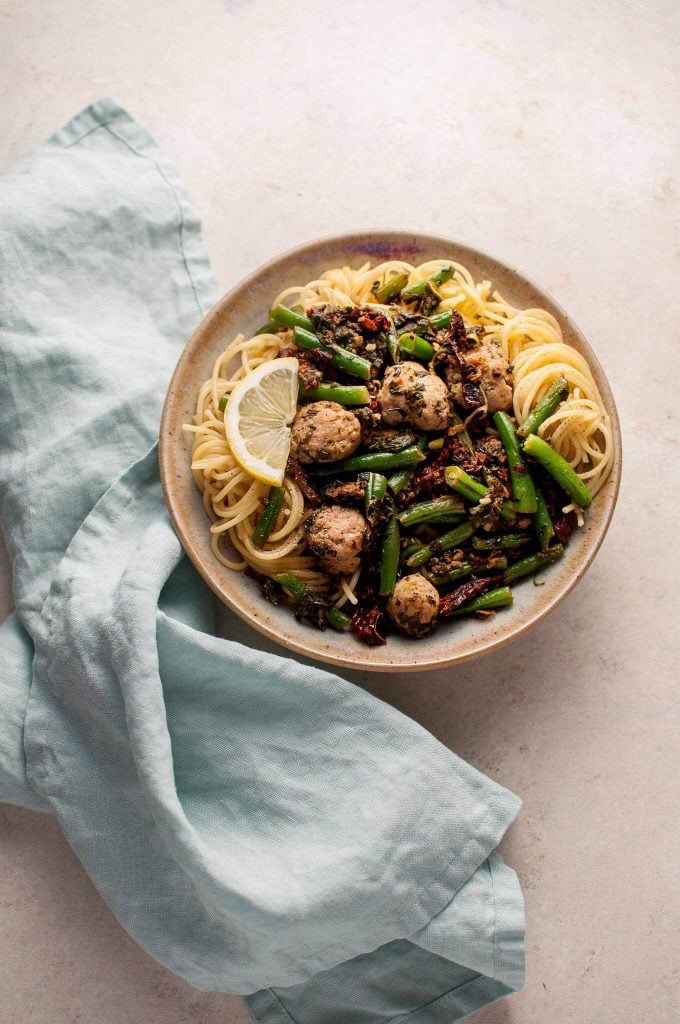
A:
x: 531, y: 340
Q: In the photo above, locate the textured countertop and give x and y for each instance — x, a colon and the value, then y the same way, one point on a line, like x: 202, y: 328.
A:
x: 545, y: 133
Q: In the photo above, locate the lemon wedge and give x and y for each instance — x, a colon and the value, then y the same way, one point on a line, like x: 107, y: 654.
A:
x: 258, y: 416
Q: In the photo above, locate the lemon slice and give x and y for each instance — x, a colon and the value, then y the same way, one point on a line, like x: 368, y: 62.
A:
x: 258, y: 416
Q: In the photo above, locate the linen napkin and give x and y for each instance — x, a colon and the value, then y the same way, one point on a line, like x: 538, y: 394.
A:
x: 258, y: 826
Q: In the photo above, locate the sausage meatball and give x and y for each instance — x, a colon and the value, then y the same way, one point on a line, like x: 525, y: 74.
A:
x: 324, y: 432
x: 337, y: 537
x: 411, y: 393
x: 414, y: 605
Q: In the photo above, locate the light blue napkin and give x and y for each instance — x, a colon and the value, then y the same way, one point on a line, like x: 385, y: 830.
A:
x: 258, y: 826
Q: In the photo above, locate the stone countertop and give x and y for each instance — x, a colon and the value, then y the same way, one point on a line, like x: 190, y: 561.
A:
x: 546, y: 134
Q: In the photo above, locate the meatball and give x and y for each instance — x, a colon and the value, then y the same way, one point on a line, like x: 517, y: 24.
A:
x: 337, y: 536
x: 414, y: 605
x: 495, y: 375
x: 324, y: 432
x: 411, y: 393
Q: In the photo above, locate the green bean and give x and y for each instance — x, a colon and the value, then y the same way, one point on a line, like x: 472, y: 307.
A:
x: 458, y: 480
x: 425, y: 511
x: 397, y: 482
x: 343, y: 394
x: 499, y: 598
x: 456, y: 572
x: 415, y: 545
x: 532, y: 563
x: 355, y: 366
x: 374, y: 492
x: 271, y: 327
x: 543, y: 525
x: 436, y: 322
x: 307, y: 339
x: 556, y: 393
x: 444, y: 518
x: 559, y: 469
x: 224, y: 401
x: 295, y: 587
x: 391, y: 288
x: 521, y: 484
x: 389, y: 556
x: 417, y: 347
x: 460, y: 569
x: 289, y: 318
x: 375, y: 461
x: 496, y: 562
x: 337, y: 619
x: 414, y: 291
x: 440, y: 321
x: 376, y: 487
x: 506, y: 540
x: 448, y: 540
x: 348, y: 362
x: 266, y: 521
x: 392, y: 342
x: 297, y: 590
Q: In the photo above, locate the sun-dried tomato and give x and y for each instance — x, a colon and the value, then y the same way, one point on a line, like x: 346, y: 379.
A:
x: 451, y: 363
x: 374, y: 322
x: 297, y: 473
x: 367, y: 624
x: 462, y: 594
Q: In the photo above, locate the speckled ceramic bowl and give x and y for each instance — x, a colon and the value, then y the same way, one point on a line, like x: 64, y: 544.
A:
x: 243, y: 309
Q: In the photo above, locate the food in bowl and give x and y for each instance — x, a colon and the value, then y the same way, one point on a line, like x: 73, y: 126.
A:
x: 397, y: 446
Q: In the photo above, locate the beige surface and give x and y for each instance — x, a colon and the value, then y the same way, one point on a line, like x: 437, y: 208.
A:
x: 542, y: 132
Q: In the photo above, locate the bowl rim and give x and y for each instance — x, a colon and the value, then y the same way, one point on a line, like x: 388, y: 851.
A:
x: 354, y: 660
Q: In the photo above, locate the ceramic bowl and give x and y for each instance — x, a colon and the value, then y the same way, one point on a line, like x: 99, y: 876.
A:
x: 243, y: 309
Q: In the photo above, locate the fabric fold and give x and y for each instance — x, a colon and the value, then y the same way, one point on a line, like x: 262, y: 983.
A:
x: 16, y: 657
x: 257, y: 825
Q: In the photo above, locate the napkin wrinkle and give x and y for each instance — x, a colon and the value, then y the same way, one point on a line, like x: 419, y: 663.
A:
x: 117, y: 632
x: 108, y: 113
x: 180, y: 208
x: 492, y: 896
x: 74, y: 247
x: 16, y: 650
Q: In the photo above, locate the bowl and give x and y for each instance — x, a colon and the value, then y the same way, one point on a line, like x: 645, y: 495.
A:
x: 243, y: 309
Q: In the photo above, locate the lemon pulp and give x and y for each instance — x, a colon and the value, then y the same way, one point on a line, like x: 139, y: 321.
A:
x: 258, y: 416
